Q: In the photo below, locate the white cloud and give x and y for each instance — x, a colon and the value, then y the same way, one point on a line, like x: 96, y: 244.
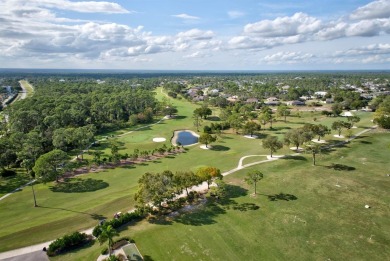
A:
x: 375, y: 9
x: 78, y: 6
x: 235, y: 14
x: 372, y: 49
x: 196, y: 54
x: 186, y: 17
x: 288, y: 57
x: 84, y: 6
x: 196, y: 34
x: 299, y: 23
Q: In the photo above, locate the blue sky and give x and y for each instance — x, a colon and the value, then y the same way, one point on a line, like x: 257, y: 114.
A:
x: 195, y: 34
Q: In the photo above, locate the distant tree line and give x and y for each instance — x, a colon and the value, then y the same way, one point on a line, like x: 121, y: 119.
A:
x: 67, y: 115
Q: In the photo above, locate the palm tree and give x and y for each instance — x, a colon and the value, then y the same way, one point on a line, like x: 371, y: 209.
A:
x: 107, y: 234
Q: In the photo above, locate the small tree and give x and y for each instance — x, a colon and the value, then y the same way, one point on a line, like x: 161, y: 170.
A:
x: 208, y: 174
x: 197, y: 121
x: 314, y: 149
x: 297, y: 137
x: 272, y: 143
x: 169, y: 110
x: 253, y: 177
x: 185, y: 180
x: 317, y: 130
x: 284, y: 111
x: 337, y: 109
x: 339, y: 125
x: 107, y: 234
x: 250, y: 127
x: 353, y: 119
x: 206, y: 139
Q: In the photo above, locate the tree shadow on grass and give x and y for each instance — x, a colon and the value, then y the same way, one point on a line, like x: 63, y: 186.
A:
x: 93, y: 215
x: 220, y: 148
x: 260, y: 135
x: 148, y: 258
x: 337, y: 143
x: 179, y: 117
x: 279, y: 128
x: 79, y: 185
x: 204, y: 214
x: 246, y: 207
x: 340, y: 167
x: 213, y: 118
x: 294, y: 157
x: 281, y: 196
x: 12, y: 183
x: 365, y: 142
x: 142, y: 164
x: 128, y: 166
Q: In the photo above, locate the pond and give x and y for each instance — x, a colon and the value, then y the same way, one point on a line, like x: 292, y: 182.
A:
x: 185, y: 137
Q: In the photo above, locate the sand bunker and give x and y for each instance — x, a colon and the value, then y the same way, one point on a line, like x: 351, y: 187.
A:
x: 274, y: 157
x: 251, y: 137
x: 318, y: 141
x: 159, y: 139
x: 339, y: 136
x: 205, y: 148
x: 295, y: 149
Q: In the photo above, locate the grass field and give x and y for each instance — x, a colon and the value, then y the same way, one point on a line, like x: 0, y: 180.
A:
x: 310, y: 219
x: 29, y: 88
x: 322, y: 217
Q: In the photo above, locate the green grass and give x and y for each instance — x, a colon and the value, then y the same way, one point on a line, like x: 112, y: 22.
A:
x: 9, y: 184
x: 29, y: 88
x: 323, y: 222
x: 232, y: 229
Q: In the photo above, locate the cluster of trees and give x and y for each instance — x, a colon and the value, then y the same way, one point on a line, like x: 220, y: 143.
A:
x: 67, y: 115
x: 349, y: 100
x: 157, y: 188
x: 382, y: 113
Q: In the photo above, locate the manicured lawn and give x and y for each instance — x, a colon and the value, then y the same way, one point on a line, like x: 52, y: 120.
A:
x: 29, y: 88
x: 310, y: 219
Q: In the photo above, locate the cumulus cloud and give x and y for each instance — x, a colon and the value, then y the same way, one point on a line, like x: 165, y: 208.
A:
x: 372, y: 49
x: 299, y: 23
x: 364, y: 28
x: 196, y: 34
x: 288, y: 57
x: 367, y: 21
x: 186, y: 17
x: 376, y: 9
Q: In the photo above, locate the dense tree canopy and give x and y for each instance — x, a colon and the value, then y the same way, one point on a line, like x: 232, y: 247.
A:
x: 50, y: 166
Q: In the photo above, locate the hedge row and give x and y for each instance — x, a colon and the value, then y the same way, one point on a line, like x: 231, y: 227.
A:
x: 67, y: 242
x: 117, y: 222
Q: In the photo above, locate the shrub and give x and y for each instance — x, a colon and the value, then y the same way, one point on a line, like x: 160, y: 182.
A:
x: 117, y: 222
x: 207, y: 129
x: 7, y: 173
x: 66, y: 243
x: 104, y: 251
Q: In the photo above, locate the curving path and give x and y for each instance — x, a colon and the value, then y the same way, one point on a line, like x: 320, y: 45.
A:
x: 34, y: 248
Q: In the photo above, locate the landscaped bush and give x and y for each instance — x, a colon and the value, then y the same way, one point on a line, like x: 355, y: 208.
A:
x: 117, y: 222
x: 66, y: 243
x: 7, y: 173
